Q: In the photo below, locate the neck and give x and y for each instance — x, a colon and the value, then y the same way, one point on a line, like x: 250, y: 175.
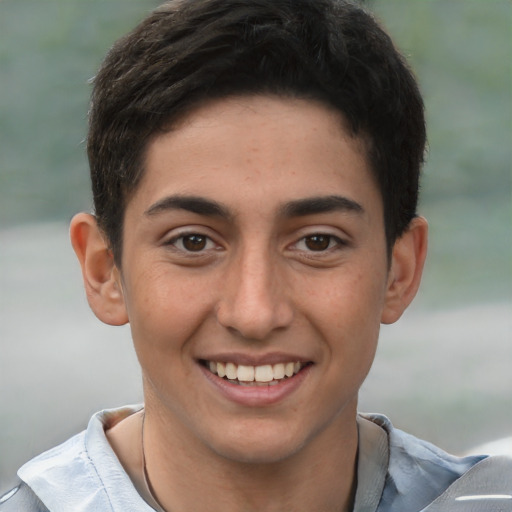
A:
x: 319, y: 477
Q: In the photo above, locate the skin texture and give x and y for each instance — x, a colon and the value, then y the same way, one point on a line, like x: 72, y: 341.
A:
x: 257, y: 288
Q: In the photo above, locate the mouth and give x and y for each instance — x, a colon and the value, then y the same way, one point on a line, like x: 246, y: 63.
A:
x: 262, y: 375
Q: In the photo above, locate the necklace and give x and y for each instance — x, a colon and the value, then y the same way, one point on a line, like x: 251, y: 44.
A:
x: 149, y: 492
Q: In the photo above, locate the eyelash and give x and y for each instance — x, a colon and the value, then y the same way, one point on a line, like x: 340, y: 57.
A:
x: 333, y: 242
x: 204, y: 243
x: 183, y: 237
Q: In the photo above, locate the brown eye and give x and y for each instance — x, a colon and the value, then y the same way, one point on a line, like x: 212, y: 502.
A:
x: 194, y: 242
x: 317, y: 242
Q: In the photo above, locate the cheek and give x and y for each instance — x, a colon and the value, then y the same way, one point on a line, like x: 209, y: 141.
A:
x: 165, y: 309
x: 351, y: 296
x: 347, y: 313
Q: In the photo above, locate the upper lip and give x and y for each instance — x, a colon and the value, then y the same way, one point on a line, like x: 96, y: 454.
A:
x: 255, y: 359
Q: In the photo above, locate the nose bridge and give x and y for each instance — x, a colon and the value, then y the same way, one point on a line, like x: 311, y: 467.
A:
x: 254, y: 301
x: 255, y: 284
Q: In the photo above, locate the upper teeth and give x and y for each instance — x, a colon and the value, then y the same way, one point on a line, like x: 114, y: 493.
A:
x: 263, y: 373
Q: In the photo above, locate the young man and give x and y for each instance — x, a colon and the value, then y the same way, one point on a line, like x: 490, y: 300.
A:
x: 255, y: 174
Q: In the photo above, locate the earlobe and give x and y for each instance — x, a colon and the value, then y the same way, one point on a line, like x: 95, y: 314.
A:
x: 407, y: 260
x: 102, y: 280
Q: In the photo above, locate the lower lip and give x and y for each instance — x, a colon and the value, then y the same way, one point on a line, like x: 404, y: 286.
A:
x: 257, y: 396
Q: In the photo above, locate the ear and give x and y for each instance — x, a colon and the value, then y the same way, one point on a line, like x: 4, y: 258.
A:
x: 102, y: 279
x: 407, y: 260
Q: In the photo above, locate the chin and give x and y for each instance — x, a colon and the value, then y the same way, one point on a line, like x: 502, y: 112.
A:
x: 257, y: 454
x: 261, y: 445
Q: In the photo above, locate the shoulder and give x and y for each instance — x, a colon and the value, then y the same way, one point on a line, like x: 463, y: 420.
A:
x: 408, y: 452
x: 82, y: 474
x: 21, y: 499
x: 486, y: 487
x: 60, y: 471
x: 418, y: 471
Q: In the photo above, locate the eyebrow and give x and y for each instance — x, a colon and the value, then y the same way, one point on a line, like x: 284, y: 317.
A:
x: 296, y: 208
x: 193, y: 204
x: 321, y: 204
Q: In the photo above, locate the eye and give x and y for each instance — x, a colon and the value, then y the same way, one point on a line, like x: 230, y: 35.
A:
x: 319, y: 242
x: 192, y: 242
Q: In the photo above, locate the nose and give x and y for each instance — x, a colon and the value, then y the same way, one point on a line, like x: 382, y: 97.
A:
x: 254, y: 298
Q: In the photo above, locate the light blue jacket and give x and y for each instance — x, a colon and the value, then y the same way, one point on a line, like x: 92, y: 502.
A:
x: 396, y: 472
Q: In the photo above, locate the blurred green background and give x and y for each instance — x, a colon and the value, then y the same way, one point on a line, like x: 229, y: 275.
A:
x: 460, y: 49
x: 446, y: 375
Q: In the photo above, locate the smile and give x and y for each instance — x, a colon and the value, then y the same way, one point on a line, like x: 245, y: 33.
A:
x: 264, y: 375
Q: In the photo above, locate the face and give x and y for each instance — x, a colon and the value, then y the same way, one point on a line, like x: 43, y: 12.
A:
x: 254, y: 276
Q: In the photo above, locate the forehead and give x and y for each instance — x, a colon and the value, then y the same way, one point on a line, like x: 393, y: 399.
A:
x: 283, y: 147
x: 305, y: 115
